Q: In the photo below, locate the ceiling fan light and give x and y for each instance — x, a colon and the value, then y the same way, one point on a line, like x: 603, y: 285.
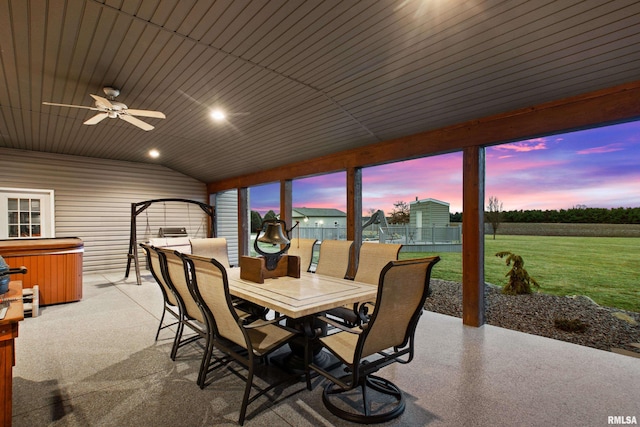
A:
x: 111, y: 92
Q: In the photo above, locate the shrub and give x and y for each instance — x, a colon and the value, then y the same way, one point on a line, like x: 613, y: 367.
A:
x: 519, y: 280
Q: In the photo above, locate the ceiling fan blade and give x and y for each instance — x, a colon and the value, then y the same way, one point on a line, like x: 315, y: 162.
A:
x: 96, y: 119
x: 71, y: 106
x: 146, y: 113
x: 102, y: 101
x: 137, y: 122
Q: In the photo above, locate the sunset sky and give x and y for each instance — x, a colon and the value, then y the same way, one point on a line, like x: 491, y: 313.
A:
x: 596, y: 168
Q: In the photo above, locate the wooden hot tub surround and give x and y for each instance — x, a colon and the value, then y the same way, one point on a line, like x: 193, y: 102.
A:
x: 54, y: 264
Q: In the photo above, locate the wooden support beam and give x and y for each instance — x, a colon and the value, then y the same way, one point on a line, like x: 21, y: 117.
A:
x: 602, y: 107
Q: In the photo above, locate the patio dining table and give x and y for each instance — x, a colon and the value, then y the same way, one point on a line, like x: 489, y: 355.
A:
x: 301, y: 299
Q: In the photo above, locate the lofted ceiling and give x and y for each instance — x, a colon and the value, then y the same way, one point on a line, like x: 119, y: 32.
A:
x: 299, y: 79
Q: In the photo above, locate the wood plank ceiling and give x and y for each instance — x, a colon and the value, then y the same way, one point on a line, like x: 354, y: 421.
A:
x: 300, y: 79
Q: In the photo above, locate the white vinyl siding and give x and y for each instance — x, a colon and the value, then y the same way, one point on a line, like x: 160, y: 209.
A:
x: 226, y: 204
x: 93, y: 200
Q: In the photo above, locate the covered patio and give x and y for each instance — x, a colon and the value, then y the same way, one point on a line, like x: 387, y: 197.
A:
x: 309, y: 88
x: 95, y: 362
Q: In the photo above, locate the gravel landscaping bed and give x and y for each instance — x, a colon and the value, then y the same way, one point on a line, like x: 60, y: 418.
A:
x: 603, y: 328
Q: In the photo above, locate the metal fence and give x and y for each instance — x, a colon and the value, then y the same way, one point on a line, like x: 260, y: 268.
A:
x: 392, y: 234
x: 321, y: 233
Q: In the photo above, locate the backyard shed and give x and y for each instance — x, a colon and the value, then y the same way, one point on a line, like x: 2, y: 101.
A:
x: 428, y: 213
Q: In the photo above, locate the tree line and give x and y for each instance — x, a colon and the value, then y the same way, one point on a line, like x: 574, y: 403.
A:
x: 577, y: 215
x: 256, y: 219
x: 573, y: 215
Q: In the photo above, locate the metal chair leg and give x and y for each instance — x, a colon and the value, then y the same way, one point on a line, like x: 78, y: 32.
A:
x: 245, y: 399
x: 206, y: 361
x: 176, y: 340
x: 160, y: 325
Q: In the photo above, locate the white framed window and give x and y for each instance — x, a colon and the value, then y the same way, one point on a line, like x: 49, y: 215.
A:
x: 26, y: 213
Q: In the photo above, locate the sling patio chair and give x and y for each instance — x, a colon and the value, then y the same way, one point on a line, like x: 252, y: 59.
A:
x: 171, y: 305
x: 304, y: 249
x: 246, y: 343
x: 179, y: 279
x: 387, y: 338
x: 216, y: 248
x: 335, y: 258
x: 212, y: 247
x: 372, y: 259
x: 179, y: 276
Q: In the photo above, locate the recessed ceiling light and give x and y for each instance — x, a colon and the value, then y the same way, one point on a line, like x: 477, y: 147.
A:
x: 218, y: 115
x: 154, y: 153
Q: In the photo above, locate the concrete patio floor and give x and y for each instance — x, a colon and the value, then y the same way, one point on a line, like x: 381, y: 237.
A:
x: 95, y: 363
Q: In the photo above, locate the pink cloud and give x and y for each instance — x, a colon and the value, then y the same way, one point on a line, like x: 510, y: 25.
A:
x: 511, y: 165
x: 541, y: 173
x: 610, y: 148
x: 523, y: 146
x: 438, y: 177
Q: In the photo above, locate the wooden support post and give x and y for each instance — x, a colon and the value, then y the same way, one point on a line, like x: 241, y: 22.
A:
x: 286, y: 202
x: 354, y: 215
x: 244, y: 222
x: 473, y: 236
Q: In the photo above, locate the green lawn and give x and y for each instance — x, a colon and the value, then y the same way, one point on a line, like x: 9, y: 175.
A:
x: 607, y: 269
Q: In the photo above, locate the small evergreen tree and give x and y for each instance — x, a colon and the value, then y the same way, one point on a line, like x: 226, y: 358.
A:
x: 519, y: 280
x: 256, y: 221
x: 270, y: 215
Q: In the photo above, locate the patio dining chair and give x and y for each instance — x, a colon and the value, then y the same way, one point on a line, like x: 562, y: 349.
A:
x: 194, y: 316
x: 372, y: 259
x: 216, y: 248
x: 335, y: 258
x: 304, y: 249
x: 177, y: 277
x: 212, y: 247
x: 387, y: 338
x: 170, y: 304
x: 244, y: 342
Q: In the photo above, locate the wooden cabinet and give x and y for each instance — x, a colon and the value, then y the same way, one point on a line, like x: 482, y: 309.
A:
x: 8, y: 334
x: 55, y: 265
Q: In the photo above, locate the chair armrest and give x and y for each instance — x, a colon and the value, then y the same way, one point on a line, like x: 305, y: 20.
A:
x: 260, y: 322
x: 362, y: 311
x: 339, y: 325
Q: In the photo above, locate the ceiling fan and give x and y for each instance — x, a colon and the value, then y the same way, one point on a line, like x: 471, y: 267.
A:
x: 113, y: 109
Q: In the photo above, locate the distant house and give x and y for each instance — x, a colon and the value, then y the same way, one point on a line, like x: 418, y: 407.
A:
x: 428, y: 212
x: 319, y: 217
